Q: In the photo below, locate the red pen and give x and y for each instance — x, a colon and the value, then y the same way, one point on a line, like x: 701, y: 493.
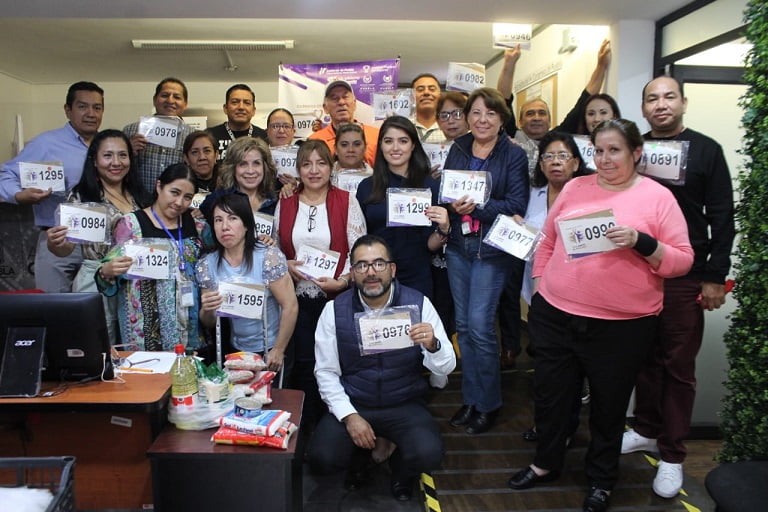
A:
x: 730, y: 284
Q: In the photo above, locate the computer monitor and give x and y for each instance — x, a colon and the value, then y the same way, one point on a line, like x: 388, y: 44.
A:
x: 76, y: 340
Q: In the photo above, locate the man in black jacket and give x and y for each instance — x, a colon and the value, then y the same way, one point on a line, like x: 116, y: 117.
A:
x: 666, y: 386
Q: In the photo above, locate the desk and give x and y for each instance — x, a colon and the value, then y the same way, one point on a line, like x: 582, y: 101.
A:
x: 107, y: 426
x: 191, y: 473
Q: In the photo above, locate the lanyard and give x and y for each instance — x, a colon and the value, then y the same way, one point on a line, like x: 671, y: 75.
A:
x: 182, y: 263
x: 232, y: 135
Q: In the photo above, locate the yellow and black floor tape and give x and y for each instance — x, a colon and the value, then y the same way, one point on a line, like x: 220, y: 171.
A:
x: 690, y: 508
x: 427, y: 483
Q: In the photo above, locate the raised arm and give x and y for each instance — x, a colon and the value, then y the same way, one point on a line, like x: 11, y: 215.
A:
x: 601, y: 69
x: 507, y: 76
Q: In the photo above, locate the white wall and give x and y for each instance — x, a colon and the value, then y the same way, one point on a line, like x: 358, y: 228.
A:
x: 576, y: 69
x: 42, y: 106
x: 713, y: 109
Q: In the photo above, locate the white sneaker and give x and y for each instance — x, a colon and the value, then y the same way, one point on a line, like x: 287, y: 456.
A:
x: 634, y: 442
x: 669, y: 479
x: 438, y: 381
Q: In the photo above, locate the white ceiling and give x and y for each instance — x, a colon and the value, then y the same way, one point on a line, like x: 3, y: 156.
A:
x: 61, y: 41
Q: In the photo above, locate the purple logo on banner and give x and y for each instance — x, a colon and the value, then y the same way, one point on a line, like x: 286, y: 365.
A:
x: 301, y: 87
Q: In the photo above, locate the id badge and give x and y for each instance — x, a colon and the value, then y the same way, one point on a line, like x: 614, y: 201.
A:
x: 187, y: 293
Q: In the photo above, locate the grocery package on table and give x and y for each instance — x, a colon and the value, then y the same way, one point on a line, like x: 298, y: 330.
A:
x: 231, y: 398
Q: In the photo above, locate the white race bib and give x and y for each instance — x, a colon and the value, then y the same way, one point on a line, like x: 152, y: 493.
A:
x: 437, y: 153
x: 408, y: 207
x: 285, y: 161
x: 456, y: 184
x: 304, y: 122
x: 149, y: 262
x: 161, y: 130
x: 198, y: 199
x: 397, y: 103
x: 509, y: 35
x: 264, y: 223
x: 465, y: 76
x: 587, y: 150
x: 665, y: 160
x: 242, y: 300
x: 586, y: 234
x: 385, y: 332
x: 317, y: 263
x: 84, y: 223
x: 512, y: 238
x: 42, y: 175
x: 349, y: 181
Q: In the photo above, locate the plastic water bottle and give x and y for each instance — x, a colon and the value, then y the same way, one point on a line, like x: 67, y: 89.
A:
x: 184, y: 393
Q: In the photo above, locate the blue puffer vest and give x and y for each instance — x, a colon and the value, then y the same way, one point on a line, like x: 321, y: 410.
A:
x: 377, y: 380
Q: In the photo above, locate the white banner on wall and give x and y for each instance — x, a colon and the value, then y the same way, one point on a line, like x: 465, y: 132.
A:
x: 301, y: 88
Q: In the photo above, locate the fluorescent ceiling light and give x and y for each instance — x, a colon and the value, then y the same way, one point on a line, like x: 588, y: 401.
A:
x: 170, y: 44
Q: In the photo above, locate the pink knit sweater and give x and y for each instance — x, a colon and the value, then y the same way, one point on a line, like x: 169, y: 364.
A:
x: 618, y: 284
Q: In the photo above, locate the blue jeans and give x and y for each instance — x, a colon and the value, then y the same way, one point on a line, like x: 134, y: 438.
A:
x: 476, y: 285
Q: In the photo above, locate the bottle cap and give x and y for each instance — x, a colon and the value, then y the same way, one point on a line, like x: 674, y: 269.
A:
x: 179, y: 348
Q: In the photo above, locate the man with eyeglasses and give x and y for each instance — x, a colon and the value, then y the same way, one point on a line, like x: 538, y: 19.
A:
x: 426, y: 92
x: 239, y: 106
x: 377, y: 395
x: 340, y: 104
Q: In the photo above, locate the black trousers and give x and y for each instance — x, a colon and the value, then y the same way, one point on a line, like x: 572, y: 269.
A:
x: 609, y: 353
x: 509, y: 308
x: 410, y: 426
x: 300, y: 361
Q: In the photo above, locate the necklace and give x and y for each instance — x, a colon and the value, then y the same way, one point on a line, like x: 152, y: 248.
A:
x: 232, y: 135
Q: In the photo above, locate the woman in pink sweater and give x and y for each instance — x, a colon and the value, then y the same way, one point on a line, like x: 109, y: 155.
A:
x: 611, y: 239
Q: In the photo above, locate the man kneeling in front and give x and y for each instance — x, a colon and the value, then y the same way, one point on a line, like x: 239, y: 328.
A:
x: 374, y: 390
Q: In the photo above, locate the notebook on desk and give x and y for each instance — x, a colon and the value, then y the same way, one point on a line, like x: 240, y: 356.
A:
x: 22, y: 362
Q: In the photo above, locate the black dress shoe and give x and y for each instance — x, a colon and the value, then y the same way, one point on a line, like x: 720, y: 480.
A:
x: 596, y: 501
x: 462, y: 416
x: 531, y: 435
x: 402, y: 489
x: 481, y: 422
x: 355, y: 479
x: 527, y: 478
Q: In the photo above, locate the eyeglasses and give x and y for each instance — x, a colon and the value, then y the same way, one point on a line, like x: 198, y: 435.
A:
x: 563, y: 156
x: 280, y: 126
x: 311, y: 224
x: 456, y: 114
x: 361, y: 267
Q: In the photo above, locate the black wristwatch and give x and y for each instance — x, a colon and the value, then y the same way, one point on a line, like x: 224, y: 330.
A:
x: 437, y: 346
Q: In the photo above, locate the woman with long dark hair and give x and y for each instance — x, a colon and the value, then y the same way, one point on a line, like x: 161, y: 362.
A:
x: 318, y: 217
x: 402, y: 163
x: 156, y: 314
x: 238, y: 258
x: 110, y: 177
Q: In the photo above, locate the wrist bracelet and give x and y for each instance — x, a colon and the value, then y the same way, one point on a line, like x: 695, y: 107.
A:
x: 443, y: 233
x: 346, y: 281
x: 646, y: 244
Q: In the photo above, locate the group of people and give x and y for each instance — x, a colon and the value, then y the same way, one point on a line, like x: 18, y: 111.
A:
x: 317, y: 254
